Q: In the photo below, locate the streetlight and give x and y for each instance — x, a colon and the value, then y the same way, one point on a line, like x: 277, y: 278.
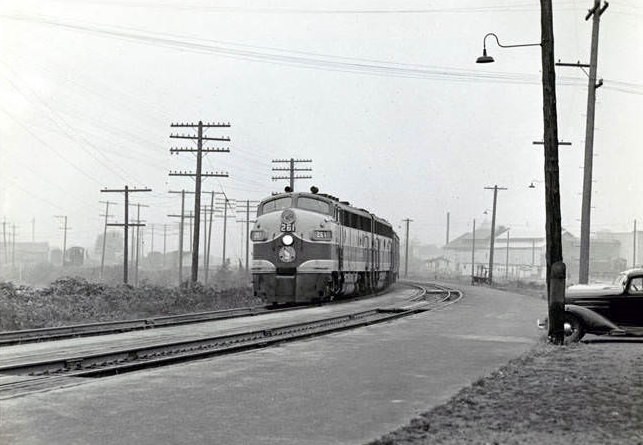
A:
x: 484, y: 58
x: 555, y: 267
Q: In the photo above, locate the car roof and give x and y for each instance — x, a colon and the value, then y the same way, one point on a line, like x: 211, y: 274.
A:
x: 634, y: 271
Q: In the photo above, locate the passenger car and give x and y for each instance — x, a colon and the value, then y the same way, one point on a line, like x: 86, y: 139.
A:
x: 615, y: 309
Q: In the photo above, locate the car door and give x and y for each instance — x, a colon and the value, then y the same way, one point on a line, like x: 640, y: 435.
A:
x: 627, y: 309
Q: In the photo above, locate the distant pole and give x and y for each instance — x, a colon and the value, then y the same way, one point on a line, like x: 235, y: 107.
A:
x: 190, y: 217
x: 473, y: 250
x: 164, y: 243
x: 406, y: 255
x: 4, y: 242
x: 247, y: 234
x: 126, y: 224
x: 33, y: 230
x: 126, y: 230
x: 634, y: 245
x: 448, y: 224
x: 138, y: 242
x: 533, y: 252
x: 102, y: 256
x: 64, y: 241
x: 205, y: 244
x: 207, y: 261
x: 492, y: 237
x: 13, y: 245
x: 65, y: 228
x: 152, y: 240
x: 225, y: 226
x: 507, y: 259
x: 181, y: 230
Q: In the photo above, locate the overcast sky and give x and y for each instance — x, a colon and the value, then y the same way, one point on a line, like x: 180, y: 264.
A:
x: 384, y: 96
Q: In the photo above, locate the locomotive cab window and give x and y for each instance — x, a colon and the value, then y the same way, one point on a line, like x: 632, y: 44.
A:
x: 314, y: 205
x: 276, y: 204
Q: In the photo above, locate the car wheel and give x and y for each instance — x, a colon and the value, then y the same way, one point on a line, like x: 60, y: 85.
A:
x: 573, y: 329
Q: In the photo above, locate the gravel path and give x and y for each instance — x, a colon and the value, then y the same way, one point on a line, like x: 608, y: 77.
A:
x: 588, y: 393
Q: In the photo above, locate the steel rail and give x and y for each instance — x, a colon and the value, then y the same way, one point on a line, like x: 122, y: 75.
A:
x: 117, y: 326
x: 41, y: 375
x: 111, y: 327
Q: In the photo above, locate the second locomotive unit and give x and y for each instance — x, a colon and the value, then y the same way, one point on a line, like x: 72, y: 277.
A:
x: 311, y: 247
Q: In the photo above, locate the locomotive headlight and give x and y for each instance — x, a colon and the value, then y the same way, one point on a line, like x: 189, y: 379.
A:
x: 322, y: 235
x: 287, y: 240
x: 258, y: 235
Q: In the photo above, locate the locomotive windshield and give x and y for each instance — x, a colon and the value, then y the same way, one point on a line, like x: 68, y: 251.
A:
x: 312, y: 204
x: 276, y: 204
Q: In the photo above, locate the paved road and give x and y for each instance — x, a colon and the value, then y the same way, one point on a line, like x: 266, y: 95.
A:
x: 345, y: 388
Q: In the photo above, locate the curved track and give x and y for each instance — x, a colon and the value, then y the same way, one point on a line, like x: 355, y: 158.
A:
x: 32, y: 373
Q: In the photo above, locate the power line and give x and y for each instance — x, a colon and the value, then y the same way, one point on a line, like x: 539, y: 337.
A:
x: 287, y: 57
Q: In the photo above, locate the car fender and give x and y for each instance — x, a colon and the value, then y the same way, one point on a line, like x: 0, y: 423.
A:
x: 591, y: 320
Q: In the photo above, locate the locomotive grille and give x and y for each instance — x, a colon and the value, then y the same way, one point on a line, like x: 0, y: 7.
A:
x: 286, y: 271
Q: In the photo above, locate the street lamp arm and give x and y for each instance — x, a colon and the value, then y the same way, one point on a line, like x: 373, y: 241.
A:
x: 484, y: 42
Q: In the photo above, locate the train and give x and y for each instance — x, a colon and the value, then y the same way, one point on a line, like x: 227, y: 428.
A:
x: 311, y: 247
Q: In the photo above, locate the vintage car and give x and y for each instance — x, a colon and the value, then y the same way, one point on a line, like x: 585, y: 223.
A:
x: 615, y: 309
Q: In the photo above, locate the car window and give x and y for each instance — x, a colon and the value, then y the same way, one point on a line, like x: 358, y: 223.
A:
x: 636, y: 286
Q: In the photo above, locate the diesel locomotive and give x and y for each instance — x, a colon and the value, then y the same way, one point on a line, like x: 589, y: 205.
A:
x: 312, y: 247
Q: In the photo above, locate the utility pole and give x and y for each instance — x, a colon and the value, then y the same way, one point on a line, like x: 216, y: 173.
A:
x: 492, y: 236
x: 406, y: 255
x: 181, y: 231
x: 206, y: 251
x: 13, y: 245
x: 138, y: 240
x: 102, y: 256
x: 634, y: 246
x: 556, y: 270
x: 209, y: 244
x: 126, y: 224
x: 198, y: 175
x: 33, y: 230
x: 473, y: 251
x: 152, y: 240
x: 247, y: 222
x: 595, y: 13
x: 291, y: 169
x: 448, y: 224
x: 507, y: 259
x: 164, y: 243
x: 65, y: 228
x: 4, y: 238
x: 226, y: 203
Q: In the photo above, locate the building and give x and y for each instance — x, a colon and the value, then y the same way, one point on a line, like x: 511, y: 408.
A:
x: 24, y: 253
x: 518, y: 254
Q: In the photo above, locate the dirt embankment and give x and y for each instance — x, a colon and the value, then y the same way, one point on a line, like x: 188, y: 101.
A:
x: 588, y: 393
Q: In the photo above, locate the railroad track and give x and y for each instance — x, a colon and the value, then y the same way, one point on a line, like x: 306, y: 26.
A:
x: 113, y: 327
x: 27, y: 377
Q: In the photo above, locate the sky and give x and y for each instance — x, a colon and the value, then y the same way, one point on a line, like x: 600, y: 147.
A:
x: 383, y: 96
